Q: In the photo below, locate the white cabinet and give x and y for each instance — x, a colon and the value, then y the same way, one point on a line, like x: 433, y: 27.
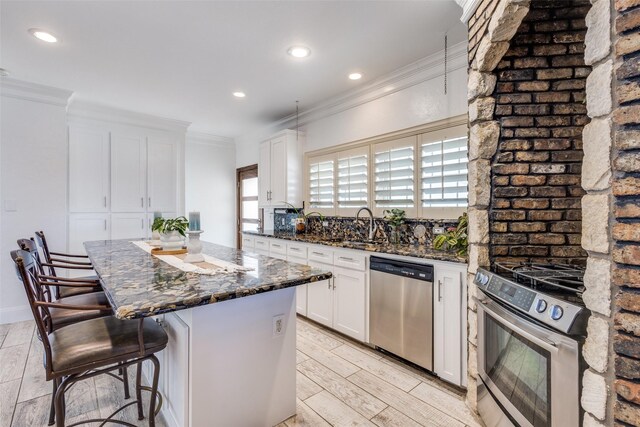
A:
x: 280, y: 170
x: 86, y: 227
x: 129, y: 226
x: 162, y: 174
x: 174, y: 369
x: 449, y: 332
x: 88, y: 170
x: 320, y: 298
x: 261, y: 246
x: 248, y: 242
x: 128, y: 173
x: 349, y: 302
x: 301, y: 291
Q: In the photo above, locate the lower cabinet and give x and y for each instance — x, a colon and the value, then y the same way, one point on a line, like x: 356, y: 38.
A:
x: 128, y: 226
x: 320, y: 298
x: 449, y: 333
x: 174, y: 368
x: 349, y: 302
x: 85, y: 227
x: 301, y: 291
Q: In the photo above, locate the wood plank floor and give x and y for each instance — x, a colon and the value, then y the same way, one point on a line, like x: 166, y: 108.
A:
x: 340, y: 383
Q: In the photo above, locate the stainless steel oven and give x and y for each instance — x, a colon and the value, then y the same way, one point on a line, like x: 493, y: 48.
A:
x: 529, y: 370
x: 531, y: 327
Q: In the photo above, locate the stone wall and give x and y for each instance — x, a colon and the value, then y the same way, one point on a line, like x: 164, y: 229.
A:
x: 535, y: 210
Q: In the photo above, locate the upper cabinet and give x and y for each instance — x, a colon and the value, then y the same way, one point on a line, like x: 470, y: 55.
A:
x: 279, y: 170
x: 128, y: 173
x: 88, y: 170
x: 162, y: 174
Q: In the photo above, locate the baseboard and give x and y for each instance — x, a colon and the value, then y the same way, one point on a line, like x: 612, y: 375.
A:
x: 15, y: 314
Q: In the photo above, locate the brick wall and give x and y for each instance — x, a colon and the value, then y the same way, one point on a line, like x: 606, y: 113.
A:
x: 626, y: 227
x: 535, y: 209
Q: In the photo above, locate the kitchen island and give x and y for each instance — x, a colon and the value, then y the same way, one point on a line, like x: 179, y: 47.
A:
x: 231, y: 354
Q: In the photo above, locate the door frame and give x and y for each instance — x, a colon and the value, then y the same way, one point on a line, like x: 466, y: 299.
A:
x: 252, y: 171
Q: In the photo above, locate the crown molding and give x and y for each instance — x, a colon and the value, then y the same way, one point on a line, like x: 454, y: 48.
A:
x: 82, y: 111
x: 468, y: 8
x: 20, y: 89
x: 195, y: 137
x: 413, y: 74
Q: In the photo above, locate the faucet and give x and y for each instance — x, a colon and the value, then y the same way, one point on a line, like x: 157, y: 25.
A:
x: 371, y: 233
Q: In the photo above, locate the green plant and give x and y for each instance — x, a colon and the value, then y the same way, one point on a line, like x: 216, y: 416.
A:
x: 157, y: 224
x: 454, y: 238
x: 395, y: 217
x: 179, y: 224
x: 302, y: 214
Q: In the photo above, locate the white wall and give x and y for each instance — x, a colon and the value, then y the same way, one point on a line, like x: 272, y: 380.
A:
x: 34, y: 181
x: 210, y: 186
x: 378, y: 109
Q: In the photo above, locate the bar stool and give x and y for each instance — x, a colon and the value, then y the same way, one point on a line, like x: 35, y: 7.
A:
x: 93, y: 347
x: 84, y: 285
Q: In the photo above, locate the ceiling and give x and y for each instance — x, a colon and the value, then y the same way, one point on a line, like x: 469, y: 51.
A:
x: 184, y: 59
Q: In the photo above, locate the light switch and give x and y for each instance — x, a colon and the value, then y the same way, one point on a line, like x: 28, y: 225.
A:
x: 10, y: 205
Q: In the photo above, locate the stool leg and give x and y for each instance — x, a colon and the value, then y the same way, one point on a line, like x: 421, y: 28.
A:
x: 125, y: 381
x: 60, y: 404
x: 52, y: 410
x: 154, y: 391
x: 139, y: 390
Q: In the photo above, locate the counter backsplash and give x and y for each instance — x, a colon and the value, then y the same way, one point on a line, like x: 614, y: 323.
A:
x: 346, y: 228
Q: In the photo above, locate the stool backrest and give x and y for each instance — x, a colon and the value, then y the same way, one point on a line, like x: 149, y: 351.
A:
x: 41, y: 241
x: 27, y: 272
x: 30, y: 246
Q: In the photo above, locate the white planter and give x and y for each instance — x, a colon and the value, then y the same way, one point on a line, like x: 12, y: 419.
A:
x: 171, y: 241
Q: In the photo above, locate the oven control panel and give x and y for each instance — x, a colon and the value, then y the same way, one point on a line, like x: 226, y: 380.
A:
x: 545, y: 308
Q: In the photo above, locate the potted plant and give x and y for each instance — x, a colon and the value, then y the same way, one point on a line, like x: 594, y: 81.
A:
x: 172, y: 232
x: 395, y: 217
x: 454, y: 238
x: 156, y: 227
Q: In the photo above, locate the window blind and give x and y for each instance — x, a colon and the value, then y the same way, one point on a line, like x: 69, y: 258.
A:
x: 394, y: 176
x: 444, y: 173
x: 321, y: 189
x: 353, y: 181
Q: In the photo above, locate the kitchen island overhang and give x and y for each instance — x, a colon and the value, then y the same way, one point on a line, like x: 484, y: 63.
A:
x: 226, y: 363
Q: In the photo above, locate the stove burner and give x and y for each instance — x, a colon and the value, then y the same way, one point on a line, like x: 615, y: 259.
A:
x: 555, y: 278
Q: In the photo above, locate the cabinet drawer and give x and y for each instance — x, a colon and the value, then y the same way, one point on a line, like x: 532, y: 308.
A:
x: 248, y: 242
x: 278, y: 247
x: 297, y: 250
x: 350, y: 260
x: 321, y: 254
x: 261, y: 243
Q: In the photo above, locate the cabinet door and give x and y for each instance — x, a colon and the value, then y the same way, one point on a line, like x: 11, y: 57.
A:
x: 128, y: 226
x: 320, y: 298
x: 279, y: 171
x: 264, y: 174
x: 128, y: 173
x: 349, y: 302
x: 301, y: 291
x: 86, y: 227
x: 162, y: 174
x: 88, y: 170
x: 447, y: 327
x: 175, y: 368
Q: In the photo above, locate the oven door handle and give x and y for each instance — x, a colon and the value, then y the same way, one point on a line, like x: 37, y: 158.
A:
x: 511, y: 321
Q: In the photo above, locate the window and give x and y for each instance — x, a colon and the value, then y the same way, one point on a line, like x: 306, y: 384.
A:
x: 353, y: 180
x: 443, y: 169
x: 423, y: 173
x: 321, y: 183
x: 394, y: 182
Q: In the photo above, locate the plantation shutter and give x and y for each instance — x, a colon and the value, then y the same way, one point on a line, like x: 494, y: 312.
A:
x: 321, y: 183
x: 443, y: 170
x: 394, y: 180
x: 353, y: 179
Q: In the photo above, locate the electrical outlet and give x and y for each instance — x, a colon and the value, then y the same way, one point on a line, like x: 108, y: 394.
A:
x: 282, y: 221
x: 325, y: 223
x: 438, y: 230
x: 278, y: 325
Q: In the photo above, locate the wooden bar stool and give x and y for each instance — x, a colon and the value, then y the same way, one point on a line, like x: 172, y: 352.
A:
x: 93, y: 347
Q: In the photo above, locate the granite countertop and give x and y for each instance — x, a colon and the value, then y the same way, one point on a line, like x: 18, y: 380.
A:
x: 139, y: 284
x: 417, y: 251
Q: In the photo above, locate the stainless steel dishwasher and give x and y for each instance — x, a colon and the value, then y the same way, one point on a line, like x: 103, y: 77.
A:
x: 401, y: 309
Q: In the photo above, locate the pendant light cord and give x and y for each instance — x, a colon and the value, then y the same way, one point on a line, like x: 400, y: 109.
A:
x: 445, y: 64
x: 297, y: 122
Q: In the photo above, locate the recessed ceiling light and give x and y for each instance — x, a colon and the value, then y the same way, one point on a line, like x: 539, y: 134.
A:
x: 239, y: 94
x: 43, y: 35
x: 299, y: 51
x: 355, y: 76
